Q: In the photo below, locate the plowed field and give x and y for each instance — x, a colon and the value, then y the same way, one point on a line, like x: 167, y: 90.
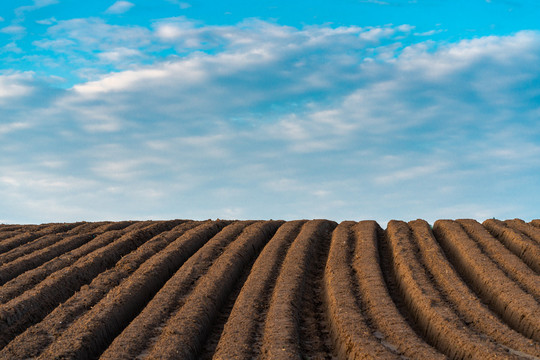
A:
x: 302, y: 289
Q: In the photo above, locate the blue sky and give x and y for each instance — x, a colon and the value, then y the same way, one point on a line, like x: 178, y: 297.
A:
x: 347, y: 109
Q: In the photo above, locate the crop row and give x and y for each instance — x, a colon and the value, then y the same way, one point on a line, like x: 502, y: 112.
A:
x: 220, y: 289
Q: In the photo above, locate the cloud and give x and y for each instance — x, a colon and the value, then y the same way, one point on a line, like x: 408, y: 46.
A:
x: 169, y: 32
x: 257, y: 117
x: 119, y: 7
x: 55, y: 45
x: 37, y: 4
x: 48, y: 21
x: 95, y: 34
x: 29, y: 191
x: 93, y: 43
x: 377, y: 33
x: 120, y: 54
x: 13, y: 30
x: 125, y: 170
x: 7, y: 128
x: 14, y: 85
x: 90, y: 46
x: 409, y: 173
x: 404, y: 90
x: 429, y: 32
x: 11, y: 47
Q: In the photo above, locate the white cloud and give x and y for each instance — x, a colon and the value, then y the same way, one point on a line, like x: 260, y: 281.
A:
x: 134, y: 79
x: 57, y: 44
x: 7, y: 128
x: 119, y: 7
x: 91, y: 46
x: 377, y: 33
x: 37, y: 4
x: 411, y: 88
x: 456, y: 57
x: 125, y: 169
x: 48, y: 21
x: 95, y: 34
x: 429, y: 32
x: 169, y: 32
x: 14, y: 85
x: 269, y: 111
x: 36, y: 196
x: 409, y: 173
x: 13, y: 30
x: 120, y: 54
x: 251, y: 45
x: 43, y: 183
x: 12, y: 47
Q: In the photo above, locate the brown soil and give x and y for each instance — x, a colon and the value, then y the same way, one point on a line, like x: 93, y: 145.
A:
x: 242, y: 334
x: 519, y: 309
x: 466, y: 303
x: 270, y: 289
x: 390, y: 328
x: 286, y: 331
x: 524, y: 247
x: 441, y: 325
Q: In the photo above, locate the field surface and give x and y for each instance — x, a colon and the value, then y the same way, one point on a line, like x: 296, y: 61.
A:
x: 315, y: 289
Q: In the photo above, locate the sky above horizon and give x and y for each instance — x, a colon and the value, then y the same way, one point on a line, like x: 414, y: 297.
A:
x: 351, y: 109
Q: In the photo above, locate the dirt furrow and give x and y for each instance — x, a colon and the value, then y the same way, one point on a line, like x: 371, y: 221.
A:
x: 314, y: 328
x: 8, y: 228
x: 31, y: 278
x: 528, y: 229
x: 184, y: 333
x: 33, y: 305
x: 393, y: 330
x: 242, y: 334
x: 44, y: 242
x: 441, y: 326
x: 8, y: 231
x: 283, y: 334
x: 133, y: 340
x: 475, y: 314
x: 222, y: 289
x: 93, y: 332
x: 57, y: 245
x: 208, y: 348
x: 23, y: 241
x: 506, y: 260
x: 528, y: 250
x: 6, y: 235
x: 36, y: 338
x: 519, y: 309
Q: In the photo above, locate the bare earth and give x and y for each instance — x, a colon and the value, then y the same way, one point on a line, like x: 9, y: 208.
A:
x: 315, y: 289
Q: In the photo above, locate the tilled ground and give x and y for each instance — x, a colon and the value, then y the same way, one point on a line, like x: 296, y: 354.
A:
x: 316, y: 289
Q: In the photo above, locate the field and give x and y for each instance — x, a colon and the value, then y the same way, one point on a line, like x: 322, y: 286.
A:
x: 314, y: 289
